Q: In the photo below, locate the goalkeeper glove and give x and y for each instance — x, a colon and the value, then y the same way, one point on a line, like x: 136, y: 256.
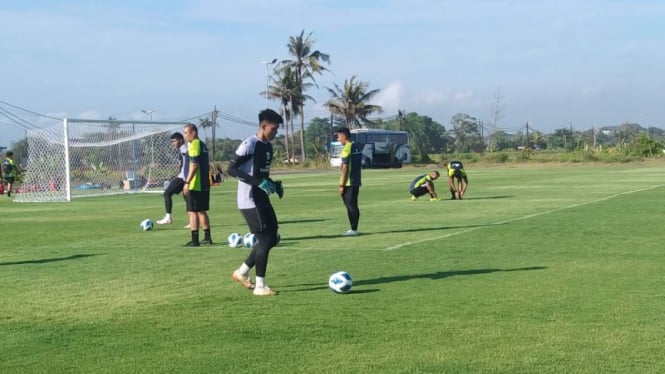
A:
x: 279, y: 189
x: 267, y: 186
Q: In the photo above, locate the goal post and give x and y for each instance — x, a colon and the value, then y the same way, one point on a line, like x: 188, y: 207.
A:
x: 81, y: 157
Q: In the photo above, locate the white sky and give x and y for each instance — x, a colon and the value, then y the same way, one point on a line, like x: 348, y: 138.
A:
x: 556, y: 63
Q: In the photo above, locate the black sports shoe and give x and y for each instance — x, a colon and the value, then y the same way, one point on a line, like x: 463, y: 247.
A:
x: 191, y: 244
x: 206, y: 241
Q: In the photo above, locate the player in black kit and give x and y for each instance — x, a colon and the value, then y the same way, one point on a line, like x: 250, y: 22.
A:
x: 251, y: 166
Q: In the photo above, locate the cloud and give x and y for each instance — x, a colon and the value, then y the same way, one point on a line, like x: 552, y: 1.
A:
x: 390, y: 98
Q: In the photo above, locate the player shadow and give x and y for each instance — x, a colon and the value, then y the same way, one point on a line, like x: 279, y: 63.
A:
x: 439, y: 275
x: 303, y: 220
x: 400, y: 278
x: 47, y: 260
x: 488, y: 197
x: 361, y: 233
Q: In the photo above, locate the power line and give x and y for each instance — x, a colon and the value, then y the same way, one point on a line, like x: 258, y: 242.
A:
x: 29, y: 111
x: 17, y: 120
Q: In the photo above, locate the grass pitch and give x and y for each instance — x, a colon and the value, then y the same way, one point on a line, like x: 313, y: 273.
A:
x: 554, y: 269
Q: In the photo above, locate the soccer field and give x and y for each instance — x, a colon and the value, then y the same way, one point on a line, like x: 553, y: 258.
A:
x: 554, y: 269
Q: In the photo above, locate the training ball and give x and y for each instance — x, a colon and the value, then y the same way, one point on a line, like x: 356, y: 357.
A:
x: 340, y: 282
x: 249, y: 240
x: 146, y: 225
x: 234, y: 240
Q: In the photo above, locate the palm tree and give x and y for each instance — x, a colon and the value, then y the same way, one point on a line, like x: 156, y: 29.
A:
x: 350, y: 102
x: 205, y: 123
x: 287, y: 91
x: 305, y: 64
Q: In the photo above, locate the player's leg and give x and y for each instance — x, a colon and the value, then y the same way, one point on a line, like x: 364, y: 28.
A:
x: 350, y: 197
x: 203, y: 219
x: 193, y: 211
x: 174, y: 187
x: 262, y: 223
x: 10, y: 183
x: 418, y: 192
x: 451, y: 186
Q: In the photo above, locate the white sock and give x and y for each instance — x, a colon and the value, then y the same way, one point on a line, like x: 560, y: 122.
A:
x: 260, y: 282
x: 243, y: 269
x: 167, y: 216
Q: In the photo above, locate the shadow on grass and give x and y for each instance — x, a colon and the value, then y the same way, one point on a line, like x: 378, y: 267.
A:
x: 400, y: 278
x: 303, y: 220
x: 440, y: 275
x: 419, y: 229
x: 47, y: 260
x: 488, y: 197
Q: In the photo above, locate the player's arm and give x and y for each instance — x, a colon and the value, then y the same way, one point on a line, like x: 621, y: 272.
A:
x: 343, y: 177
x: 234, y: 170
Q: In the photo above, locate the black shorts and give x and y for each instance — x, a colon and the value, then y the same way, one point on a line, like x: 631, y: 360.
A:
x: 261, y: 219
x: 9, y: 179
x: 198, y: 201
x: 419, y: 191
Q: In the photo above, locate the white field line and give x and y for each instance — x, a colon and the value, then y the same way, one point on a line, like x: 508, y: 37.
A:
x: 398, y: 246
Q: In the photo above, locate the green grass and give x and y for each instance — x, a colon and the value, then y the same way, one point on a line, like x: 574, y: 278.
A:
x: 539, y: 270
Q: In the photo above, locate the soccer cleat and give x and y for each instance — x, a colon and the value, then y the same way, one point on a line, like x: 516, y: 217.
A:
x: 206, y: 241
x: 350, y: 233
x: 191, y: 244
x: 413, y: 198
x: 433, y: 199
x: 242, y: 279
x: 187, y: 226
x: 164, y: 221
x: 264, y: 291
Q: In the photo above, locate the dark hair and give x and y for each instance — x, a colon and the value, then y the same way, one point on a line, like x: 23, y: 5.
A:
x: 269, y: 115
x: 9, y: 153
x: 192, y: 127
x: 345, y: 131
x: 178, y: 136
x: 437, y: 173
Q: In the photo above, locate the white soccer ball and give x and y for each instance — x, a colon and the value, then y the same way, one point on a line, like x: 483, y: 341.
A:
x: 146, y: 224
x: 234, y: 240
x: 340, y: 282
x: 249, y: 240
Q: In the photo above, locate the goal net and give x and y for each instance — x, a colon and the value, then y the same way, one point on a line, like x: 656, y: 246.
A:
x: 96, y: 157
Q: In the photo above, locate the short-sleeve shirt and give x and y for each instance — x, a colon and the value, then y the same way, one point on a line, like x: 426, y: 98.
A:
x: 257, y: 156
x: 198, y: 154
x: 8, y: 168
x: 352, y: 155
x: 456, y: 168
x: 420, y: 181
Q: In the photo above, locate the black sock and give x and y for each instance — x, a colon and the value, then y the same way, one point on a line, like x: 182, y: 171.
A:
x: 206, y: 234
x: 195, y: 236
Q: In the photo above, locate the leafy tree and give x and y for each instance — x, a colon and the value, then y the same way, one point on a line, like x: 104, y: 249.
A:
x: 318, y: 136
x: 305, y: 63
x: 500, y: 140
x: 647, y: 147
x: 465, y: 133
x: 351, y: 102
x: 561, y: 138
x: 425, y: 135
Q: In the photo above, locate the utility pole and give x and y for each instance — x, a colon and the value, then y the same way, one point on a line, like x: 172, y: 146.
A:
x: 527, y: 135
x: 482, y: 142
x: 214, y: 124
